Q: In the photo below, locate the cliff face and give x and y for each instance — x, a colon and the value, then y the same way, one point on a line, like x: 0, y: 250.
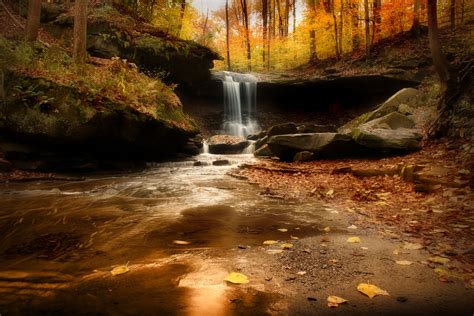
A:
x: 114, y: 34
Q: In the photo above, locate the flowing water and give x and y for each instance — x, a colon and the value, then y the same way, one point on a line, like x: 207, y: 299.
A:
x: 240, y: 103
x: 60, y: 239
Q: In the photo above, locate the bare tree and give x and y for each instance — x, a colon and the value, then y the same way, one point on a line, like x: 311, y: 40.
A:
x: 367, y: 27
x: 452, y: 14
x: 416, y: 17
x: 312, y: 32
x: 439, y: 60
x: 33, y: 20
x: 243, y: 3
x: 264, y: 28
x: 80, y: 31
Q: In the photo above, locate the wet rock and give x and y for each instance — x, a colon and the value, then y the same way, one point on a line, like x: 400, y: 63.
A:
x: 263, y: 151
x: 257, y: 136
x: 227, y: 144
x: 303, y: 156
x: 221, y: 162
x: 262, y: 141
x: 282, y: 129
x: 320, y: 144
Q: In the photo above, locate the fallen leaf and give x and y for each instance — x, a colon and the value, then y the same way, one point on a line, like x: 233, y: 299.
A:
x: 412, y: 246
x: 283, y: 230
x: 464, y: 171
x: 396, y: 251
x: 438, y: 259
x: 353, y: 239
x: 330, y: 192
x: 181, y: 242
x: 236, y: 278
x: 270, y: 242
x: 334, y: 301
x: 274, y: 251
x: 294, y: 237
x: 403, y: 262
x: 286, y: 246
x: 301, y: 272
x: 119, y: 270
x: 371, y: 290
x: 352, y: 227
x: 327, y: 229
x: 364, y: 248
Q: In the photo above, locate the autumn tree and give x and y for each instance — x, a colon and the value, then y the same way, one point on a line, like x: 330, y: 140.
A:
x: 33, y: 20
x: 80, y: 32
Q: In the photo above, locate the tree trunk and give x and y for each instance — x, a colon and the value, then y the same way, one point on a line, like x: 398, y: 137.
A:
x: 80, y: 32
x: 341, y: 27
x: 355, y: 25
x: 312, y: 34
x: 227, y: 34
x: 33, y: 20
x: 294, y: 16
x: 416, y: 17
x: 367, y: 28
x: 377, y: 18
x: 439, y: 61
x: 2, y: 85
x: 247, y: 33
x: 181, y: 17
x: 264, y: 29
x: 452, y: 14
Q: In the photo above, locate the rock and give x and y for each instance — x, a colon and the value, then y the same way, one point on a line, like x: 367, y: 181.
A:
x: 257, y: 136
x: 259, y: 143
x: 72, y: 126
x: 405, y: 109
x: 263, y: 151
x: 315, y: 128
x: 5, y: 165
x: 404, y: 96
x: 320, y: 144
x: 405, y: 139
x: 393, y: 131
x: 227, y: 144
x: 282, y: 129
x: 393, y: 120
x: 221, y: 162
x: 153, y: 50
x: 303, y: 156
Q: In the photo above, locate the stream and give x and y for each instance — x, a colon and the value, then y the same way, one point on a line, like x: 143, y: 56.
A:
x: 61, y: 239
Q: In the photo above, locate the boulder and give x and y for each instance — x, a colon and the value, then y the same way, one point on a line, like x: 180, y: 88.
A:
x: 286, y: 147
x: 404, y: 139
x: 221, y: 162
x: 315, y: 128
x: 404, y: 96
x: 303, y: 156
x: 227, y: 144
x: 393, y: 131
x: 263, y: 151
x: 405, y: 109
x: 257, y: 136
x: 282, y: 129
x: 259, y: 143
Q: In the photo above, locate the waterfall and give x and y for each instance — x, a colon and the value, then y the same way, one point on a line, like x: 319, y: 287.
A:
x: 240, y: 103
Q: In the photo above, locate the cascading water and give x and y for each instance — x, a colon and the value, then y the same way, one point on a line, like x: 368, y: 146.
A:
x: 240, y: 103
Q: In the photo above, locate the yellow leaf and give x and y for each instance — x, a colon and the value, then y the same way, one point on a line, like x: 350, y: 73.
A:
x: 334, y: 301
x: 301, y: 272
x: 330, y: 192
x: 119, y: 270
x: 353, y: 239
x: 181, y: 242
x: 236, y: 278
x: 396, y: 251
x: 403, y: 262
x: 294, y: 237
x: 327, y: 229
x: 371, y: 290
x: 441, y: 272
x: 286, y: 246
x: 270, y: 242
x: 438, y: 259
x: 283, y: 230
x: 411, y: 246
x: 274, y: 251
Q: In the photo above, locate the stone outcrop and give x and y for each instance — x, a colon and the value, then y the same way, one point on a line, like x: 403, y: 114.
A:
x: 226, y: 144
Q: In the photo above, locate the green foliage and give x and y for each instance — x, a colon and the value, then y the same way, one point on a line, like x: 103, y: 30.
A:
x: 118, y: 81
